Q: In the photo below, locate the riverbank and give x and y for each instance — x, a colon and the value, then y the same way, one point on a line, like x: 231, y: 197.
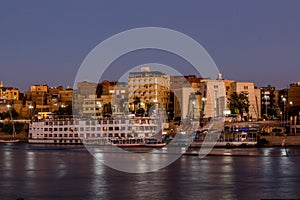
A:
x: 269, y: 141
x: 276, y: 141
x: 21, y: 136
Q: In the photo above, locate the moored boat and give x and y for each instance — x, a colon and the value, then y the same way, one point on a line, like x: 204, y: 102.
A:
x: 103, y: 131
x: 10, y: 141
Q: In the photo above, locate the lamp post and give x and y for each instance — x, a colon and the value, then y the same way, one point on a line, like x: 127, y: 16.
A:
x: 31, y: 109
x: 284, y: 100
x: 202, y: 110
x: 291, y: 104
x: 266, y: 104
x: 12, y: 121
x: 99, y: 105
x: 193, y: 103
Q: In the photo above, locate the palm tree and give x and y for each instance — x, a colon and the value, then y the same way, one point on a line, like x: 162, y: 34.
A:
x: 136, y: 101
x: 107, y: 110
x: 239, y: 103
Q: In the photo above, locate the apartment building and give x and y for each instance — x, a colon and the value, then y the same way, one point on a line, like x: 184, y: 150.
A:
x: 150, y: 87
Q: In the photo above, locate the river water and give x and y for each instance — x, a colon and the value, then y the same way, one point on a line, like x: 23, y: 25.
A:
x: 70, y: 172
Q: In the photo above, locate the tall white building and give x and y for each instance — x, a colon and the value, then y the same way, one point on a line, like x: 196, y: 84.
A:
x: 213, y: 97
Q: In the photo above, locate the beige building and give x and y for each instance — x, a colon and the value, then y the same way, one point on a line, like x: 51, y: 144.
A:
x: 186, y: 104
x: 151, y: 87
x: 213, y: 97
x: 294, y: 94
x: 8, y: 93
x: 253, y: 96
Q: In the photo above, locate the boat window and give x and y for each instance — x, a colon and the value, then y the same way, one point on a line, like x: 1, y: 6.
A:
x: 55, y: 129
x: 60, y: 129
x: 87, y: 128
x: 50, y: 135
x: 98, y: 128
x: 104, y: 128
x: 65, y: 135
x: 70, y: 135
x: 87, y: 123
x: 59, y: 135
x: 55, y: 123
x: 65, y: 122
x: 110, y: 135
x: 65, y: 129
x: 55, y: 135
x: 111, y: 122
x: 117, y: 128
x: 45, y: 135
x: 81, y: 129
x: 93, y: 128
x: 46, y: 129
x: 110, y: 128
x: 116, y: 135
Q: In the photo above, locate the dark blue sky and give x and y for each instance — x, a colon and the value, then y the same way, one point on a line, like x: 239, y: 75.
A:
x: 249, y: 41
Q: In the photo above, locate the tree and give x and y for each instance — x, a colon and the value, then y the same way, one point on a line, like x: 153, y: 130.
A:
x: 122, y: 104
x: 136, y: 102
x: 99, y: 90
x: 107, y: 110
x: 149, y: 108
x: 8, y: 127
x: 140, y: 112
x: 64, y: 110
x: 7, y: 114
x: 239, y: 103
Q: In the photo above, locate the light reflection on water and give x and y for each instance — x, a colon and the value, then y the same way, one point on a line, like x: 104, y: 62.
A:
x: 70, y: 172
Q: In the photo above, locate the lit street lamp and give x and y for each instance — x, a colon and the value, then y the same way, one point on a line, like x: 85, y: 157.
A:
x: 12, y: 121
x: 31, y: 111
x: 284, y: 100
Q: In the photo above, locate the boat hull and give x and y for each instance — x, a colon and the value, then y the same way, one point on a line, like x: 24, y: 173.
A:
x: 9, y: 141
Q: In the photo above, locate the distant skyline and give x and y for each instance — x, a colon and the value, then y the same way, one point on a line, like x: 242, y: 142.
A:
x: 46, y: 42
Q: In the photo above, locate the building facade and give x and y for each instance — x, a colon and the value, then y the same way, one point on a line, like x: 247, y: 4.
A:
x: 150, y: 87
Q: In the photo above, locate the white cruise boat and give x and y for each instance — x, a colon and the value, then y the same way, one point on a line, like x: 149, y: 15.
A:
x: 92, y: 131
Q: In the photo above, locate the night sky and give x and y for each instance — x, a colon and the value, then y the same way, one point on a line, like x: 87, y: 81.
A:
x: 46, y: 41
